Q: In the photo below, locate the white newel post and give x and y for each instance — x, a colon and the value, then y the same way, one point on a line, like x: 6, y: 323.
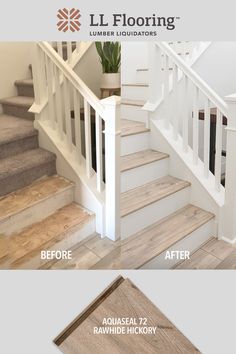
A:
x: 228, y: 221
x: 112, y: 163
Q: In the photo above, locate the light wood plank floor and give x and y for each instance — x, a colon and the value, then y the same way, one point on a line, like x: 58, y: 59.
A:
x: 87, y: 254
x: 215, y: 254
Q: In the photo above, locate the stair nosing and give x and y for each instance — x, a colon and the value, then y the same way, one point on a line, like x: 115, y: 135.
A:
x: 136, y: 85
x: 143, y: 163
x: 135, y: 103
x: 200, y: 224
x: 187, y: 185
x: 145, y: 130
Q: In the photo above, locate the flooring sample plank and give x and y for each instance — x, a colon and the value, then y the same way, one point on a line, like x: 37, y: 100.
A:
x: 154, y: 334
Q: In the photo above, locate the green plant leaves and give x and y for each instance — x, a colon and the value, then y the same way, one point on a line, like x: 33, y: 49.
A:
x: 110, y: 56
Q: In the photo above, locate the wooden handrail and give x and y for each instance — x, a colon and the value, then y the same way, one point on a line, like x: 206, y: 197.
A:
x: 195, y: 78
x: 75, y: 80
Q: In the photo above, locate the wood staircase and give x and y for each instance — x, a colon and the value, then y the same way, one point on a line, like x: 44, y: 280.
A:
x: 156, y: 213
x: 37, y: 208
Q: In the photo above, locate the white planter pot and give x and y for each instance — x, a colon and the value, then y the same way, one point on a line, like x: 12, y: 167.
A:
x: 110, y: 81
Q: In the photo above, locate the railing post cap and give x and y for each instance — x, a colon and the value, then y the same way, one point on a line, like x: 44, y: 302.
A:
x: 231, y: 98
x: 111, y: 101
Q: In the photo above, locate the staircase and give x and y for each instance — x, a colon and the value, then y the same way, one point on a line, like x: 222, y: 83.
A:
x: 37, y: 208
x: 156, y: 213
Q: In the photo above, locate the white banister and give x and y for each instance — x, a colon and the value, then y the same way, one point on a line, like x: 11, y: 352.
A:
x: 194, y: 77
x: 60, y: 92
x: 112, y: 163
x: 228, y: 218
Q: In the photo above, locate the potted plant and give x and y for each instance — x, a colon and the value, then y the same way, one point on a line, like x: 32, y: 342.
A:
x: 110, y: 57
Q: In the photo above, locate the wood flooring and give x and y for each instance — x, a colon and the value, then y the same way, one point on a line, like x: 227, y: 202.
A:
x: 122, y: 299
x: 214, y: 254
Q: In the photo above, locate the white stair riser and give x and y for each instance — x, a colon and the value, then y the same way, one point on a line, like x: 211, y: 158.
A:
x: 69, y: 241
x: 142, y: 218
x: 135, y: 92
x: 143, y: 174
x: 134, y: 143
x: 190, y: 243
x: 135, y: 113
x: 37, y: 212
x: 142, y: 76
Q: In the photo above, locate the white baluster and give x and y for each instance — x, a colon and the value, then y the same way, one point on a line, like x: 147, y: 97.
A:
x: 207, y: 121
x: 185, y: 113
x: 88, y: 141
x: 58, y: 102
x: 77, y: 123
x: 78, y: 46
x: 69, y: 51
x: 166, y: 90
x: 66, y: 90
x: 195, y: 125
x: 218, y: 150
x: 175, y: 103
x: 60, y: 49
x: 49, y: 72
x: 99, y: 162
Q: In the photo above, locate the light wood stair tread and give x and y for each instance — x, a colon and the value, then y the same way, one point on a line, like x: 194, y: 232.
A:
x: 141, y: 158
x: 13, y: 128
x: 130, y: 127
x: 149, y: 193
x: 136, y: 85
x: 25, y: 198
x: 24, y: 161
x: 43, y: 235
x: 142, y: 247
x: 122, y: 299
x: 22, y: 101
x: 130, y: 102
x: 143, y: 69
x: 24, y: 82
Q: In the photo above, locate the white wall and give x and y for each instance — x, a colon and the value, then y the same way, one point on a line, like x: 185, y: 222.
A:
x: 89, y: 70
x: 134, y: 55
x: 15, y: 58
x: 217, y: 66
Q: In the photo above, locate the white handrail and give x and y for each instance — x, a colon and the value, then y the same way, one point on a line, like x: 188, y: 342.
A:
x: 73, y: 78
x: 194, y: 77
